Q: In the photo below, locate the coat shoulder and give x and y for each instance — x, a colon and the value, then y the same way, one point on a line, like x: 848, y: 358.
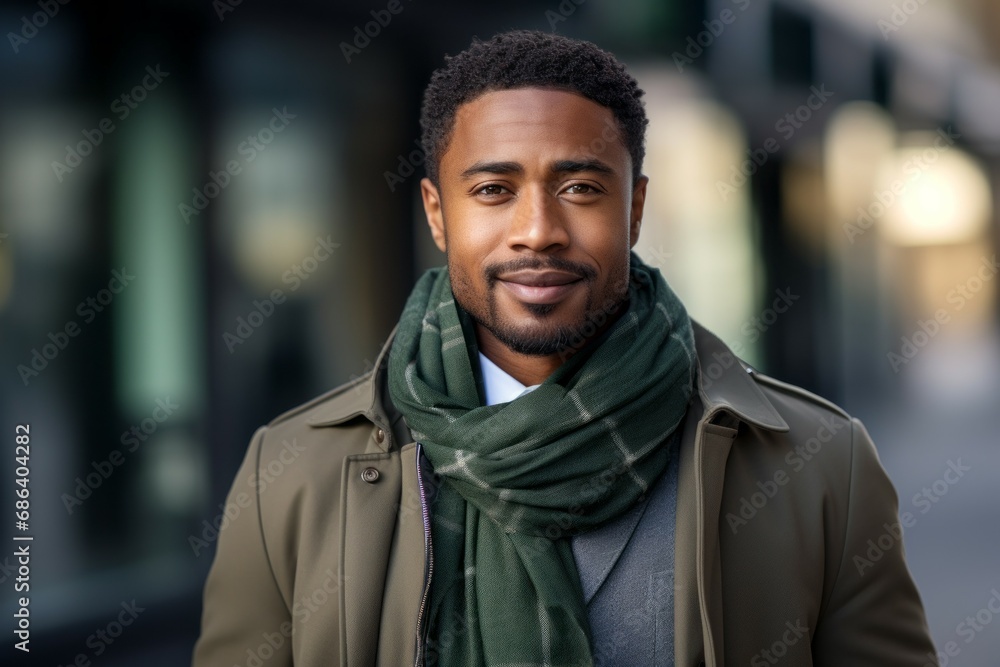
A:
x: 790, y: 395
x: 336, y: 406
x: 814, y: 424
x: 305, y: 430
x: 817, y: 451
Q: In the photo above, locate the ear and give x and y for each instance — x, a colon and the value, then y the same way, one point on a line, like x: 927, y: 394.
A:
x: 432, y: 208
x: 638, y: 202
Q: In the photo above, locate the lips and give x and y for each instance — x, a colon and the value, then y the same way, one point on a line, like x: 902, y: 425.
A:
x: 540, y: 287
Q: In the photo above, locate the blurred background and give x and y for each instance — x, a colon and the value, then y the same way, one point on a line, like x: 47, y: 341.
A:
x: 209, y: 213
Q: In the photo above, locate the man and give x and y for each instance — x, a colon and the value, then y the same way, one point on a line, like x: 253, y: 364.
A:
x: 551, y: 464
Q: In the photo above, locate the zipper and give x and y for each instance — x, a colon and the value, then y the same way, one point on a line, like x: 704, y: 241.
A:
x: 428, y: 560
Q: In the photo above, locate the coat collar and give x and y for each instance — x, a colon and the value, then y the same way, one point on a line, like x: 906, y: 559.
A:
x: 366, y: 396
x: 724, y: 384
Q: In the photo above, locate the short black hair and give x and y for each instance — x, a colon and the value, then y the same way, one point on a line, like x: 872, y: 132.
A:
x: 526, y: 58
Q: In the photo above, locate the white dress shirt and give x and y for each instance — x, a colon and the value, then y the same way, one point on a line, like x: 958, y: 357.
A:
x: 501, y: 387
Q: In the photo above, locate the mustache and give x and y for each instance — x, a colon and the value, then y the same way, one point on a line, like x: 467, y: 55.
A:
x: 538, y: 264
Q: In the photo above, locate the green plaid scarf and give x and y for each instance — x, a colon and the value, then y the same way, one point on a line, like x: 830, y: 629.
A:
x: 521, y: 477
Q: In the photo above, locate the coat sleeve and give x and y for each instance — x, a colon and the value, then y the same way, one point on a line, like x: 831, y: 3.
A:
x: 874, y: 616
x: 244, y: 614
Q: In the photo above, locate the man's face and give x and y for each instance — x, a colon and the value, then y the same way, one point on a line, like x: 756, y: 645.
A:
x: 537, y: 212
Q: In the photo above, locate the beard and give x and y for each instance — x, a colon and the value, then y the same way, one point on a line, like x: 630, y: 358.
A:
x: 545, y: 335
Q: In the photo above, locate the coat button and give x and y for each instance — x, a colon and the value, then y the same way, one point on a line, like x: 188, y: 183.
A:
x: 379, y: 436
x: 370, y: 475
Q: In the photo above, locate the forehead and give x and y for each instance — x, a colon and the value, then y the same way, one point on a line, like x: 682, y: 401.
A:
x: 533, y: 124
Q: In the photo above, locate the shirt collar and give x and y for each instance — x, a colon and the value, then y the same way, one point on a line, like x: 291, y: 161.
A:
x: 500, y: 386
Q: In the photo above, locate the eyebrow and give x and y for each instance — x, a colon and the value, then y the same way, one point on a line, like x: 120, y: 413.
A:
x: 575, y: 166
x: 560, y: 167
x: 486, y: 167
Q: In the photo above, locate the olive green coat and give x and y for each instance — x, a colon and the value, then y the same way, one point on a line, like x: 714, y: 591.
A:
x: 787, y: 541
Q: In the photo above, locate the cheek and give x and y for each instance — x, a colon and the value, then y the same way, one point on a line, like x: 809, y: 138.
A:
x: 606, y: 241
x: 475, y: 241
x: 466, y: 260
x: 472, y: 237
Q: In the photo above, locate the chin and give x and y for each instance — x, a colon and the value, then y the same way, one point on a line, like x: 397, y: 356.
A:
x: 535, y: 338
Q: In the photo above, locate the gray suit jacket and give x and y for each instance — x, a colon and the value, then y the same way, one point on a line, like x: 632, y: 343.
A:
x: 627, y: 572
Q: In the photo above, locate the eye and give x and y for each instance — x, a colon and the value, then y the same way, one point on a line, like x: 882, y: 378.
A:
x: 491, y: 190
x: 582, y: 189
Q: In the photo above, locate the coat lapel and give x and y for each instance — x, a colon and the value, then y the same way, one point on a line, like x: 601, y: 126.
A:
x: 710, y: 466
x: 688, y: 640
x: 726, y: 395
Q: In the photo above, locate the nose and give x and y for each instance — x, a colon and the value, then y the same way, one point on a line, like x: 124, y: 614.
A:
x: 538, y: 223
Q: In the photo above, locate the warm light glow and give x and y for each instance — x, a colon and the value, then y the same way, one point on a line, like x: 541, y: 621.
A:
x: 933, y: 195
x: 858, y: 139
x: 696, y: 224
x: 270, y: 243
